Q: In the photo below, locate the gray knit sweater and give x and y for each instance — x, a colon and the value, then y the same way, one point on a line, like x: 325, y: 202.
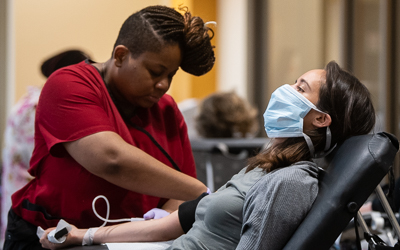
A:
x: 254, y: 210
x: 276, y: 205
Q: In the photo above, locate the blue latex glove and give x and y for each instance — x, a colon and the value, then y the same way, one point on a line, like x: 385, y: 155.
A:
x: 155, y: 213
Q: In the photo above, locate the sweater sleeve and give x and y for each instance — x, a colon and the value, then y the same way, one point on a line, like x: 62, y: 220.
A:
x: 275, y: 206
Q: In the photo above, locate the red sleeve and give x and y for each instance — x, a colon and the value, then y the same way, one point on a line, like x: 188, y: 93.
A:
x: 71, y: 106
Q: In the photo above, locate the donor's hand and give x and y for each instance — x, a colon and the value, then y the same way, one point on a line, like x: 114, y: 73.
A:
x: 74, y: 237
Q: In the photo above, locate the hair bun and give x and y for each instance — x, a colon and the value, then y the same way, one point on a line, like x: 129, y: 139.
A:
x: 198, y: 53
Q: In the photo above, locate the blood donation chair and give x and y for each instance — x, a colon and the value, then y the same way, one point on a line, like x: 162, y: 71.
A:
x: 355, y: 170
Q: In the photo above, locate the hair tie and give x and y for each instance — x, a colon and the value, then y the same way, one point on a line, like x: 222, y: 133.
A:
x: 210, y: 22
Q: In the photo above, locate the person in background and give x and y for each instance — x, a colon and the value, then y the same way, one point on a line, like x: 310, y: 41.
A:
x: 226, y: 115
x: 19, y: 133
x: 110, y: 129
x: 261, y: 206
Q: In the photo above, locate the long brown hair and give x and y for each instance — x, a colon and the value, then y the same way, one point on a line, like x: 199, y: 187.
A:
x: 349, y: 104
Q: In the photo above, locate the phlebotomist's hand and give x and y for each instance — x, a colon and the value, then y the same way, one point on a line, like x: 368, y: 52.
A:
x: 155, y: 213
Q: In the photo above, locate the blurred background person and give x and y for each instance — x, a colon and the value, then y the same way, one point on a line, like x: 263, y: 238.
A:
x: 223, y: 127
x: 226, y: 115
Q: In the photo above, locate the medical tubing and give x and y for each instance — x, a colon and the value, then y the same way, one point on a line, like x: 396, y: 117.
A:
x: 108, y: 212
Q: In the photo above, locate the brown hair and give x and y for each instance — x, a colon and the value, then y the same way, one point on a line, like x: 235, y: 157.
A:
x: 155, y: 26
x: 349, y: 104
x: 223, y: 115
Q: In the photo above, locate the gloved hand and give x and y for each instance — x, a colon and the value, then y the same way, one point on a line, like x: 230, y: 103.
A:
x: 155, y: 213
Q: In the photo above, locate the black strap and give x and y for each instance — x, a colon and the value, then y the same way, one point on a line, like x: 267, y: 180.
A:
x: 37, y: 208
x: 187, y: 212
x: 158, y: 145
x: 127, y: 115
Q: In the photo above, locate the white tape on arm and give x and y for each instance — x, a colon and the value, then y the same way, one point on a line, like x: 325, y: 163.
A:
x: 89, y: 235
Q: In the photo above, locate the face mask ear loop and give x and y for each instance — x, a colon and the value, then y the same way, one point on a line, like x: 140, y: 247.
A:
x: 328, y: 139
x: 309, y: 144
x: 327, y: 145
x: 326, y: 152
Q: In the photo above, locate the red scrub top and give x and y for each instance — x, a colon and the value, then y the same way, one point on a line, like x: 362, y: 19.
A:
x: 75, y: 103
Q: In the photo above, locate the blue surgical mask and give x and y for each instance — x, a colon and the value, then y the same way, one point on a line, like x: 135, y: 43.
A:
x: 285, y: 113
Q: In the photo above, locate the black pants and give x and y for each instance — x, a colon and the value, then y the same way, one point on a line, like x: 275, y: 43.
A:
x: 20, y: 235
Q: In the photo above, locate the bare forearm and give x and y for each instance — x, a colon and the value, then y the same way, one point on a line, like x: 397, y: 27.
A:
x: 163, y: 229
x: 143, y: 174
x: 108, y: 156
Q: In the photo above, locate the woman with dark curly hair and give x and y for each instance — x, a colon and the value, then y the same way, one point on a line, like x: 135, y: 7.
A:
x: 262, y: 205
x: 109, y: 129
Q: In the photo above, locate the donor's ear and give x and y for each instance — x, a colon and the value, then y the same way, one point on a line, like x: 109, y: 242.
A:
x: 322, y: 120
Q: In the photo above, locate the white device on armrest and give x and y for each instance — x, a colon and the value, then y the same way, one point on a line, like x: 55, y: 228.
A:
x: 59, y: 234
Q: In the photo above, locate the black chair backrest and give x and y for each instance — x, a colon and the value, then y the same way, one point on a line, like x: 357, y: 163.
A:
x: 355, y: 170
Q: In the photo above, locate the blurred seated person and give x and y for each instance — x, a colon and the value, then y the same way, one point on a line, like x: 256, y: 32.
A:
x: 226, y: 115
x: 19, y: 133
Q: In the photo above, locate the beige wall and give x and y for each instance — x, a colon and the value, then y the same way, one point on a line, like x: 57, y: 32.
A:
x: 233, y: 46
x: 333, y: 31
x: 45, y: 27
x: 186, y: 86
x: 292, y: 48
x: 3, y: 78
x: 32, y: 31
